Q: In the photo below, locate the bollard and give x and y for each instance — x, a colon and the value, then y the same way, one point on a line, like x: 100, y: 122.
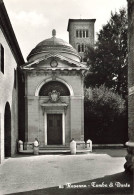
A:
x: 36, y: 147
x: 73, y: 146
x: 36, y: 150
x: 20, y: 145
x: 89, y: 144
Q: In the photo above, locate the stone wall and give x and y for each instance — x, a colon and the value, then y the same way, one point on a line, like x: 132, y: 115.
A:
x: 8, y: 85
x: 74, y: 118
x: 8, y: 93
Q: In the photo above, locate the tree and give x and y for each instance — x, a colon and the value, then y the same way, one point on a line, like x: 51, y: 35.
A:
x: 108, y: 60
x: 105, y: 116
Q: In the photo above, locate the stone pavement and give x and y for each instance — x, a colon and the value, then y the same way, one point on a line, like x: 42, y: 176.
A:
x: 48, y: 174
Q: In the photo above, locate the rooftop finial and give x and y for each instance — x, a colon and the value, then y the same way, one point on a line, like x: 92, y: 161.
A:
x: 53, y: 32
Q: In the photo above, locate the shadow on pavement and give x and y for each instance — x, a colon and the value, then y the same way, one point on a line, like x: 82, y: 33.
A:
x: 112, y: 152
x: 124, y: 186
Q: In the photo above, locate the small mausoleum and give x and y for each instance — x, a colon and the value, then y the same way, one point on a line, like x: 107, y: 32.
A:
x: 54, y: 93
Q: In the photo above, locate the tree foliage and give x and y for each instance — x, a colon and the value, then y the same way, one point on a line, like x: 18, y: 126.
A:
x: 103, y: 102
x: 105, y: 116
x: 108, y: 60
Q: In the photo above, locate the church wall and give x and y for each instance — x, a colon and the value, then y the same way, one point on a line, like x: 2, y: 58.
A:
x: 41, y: 133
x: 74, y: 111
x: 8, y: 93
x: 77, y: 118
x: 33, y: 81
x: 33, y: 119
x: 67, y: 124
x: 75, y: 82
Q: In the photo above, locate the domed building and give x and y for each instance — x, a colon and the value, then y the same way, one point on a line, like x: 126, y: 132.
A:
x: 54, y: 93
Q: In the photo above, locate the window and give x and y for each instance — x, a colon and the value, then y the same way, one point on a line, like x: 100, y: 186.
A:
x: 82, y: 48
x: 80, y: 33
x: 83, y: 33
x: 78, y: 48
x: 76, y: 33
x: 1, y: 59
x: 86, y: 33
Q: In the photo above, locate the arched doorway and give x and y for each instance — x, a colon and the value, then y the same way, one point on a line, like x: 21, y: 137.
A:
x: 7, y: 130
x: 54, y: 111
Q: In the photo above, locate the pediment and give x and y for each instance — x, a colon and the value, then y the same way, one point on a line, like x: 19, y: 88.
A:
x: 54, y: 61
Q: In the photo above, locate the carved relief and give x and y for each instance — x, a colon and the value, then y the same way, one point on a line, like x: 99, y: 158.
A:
x: 54, y: 96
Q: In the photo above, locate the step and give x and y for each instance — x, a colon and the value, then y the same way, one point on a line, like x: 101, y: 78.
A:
x: 54, y: 147
x: 51, y: 146
x: 82, y: 151
x: 54, y: 151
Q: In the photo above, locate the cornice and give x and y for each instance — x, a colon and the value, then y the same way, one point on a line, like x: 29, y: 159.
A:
x: 79, y: 20
x: 55, y: 73
x: 73, y: 64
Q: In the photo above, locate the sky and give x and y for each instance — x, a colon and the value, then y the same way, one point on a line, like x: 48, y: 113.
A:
x: 34, y: 20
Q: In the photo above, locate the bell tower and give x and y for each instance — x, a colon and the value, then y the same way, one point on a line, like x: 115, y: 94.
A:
x: 81, y: 34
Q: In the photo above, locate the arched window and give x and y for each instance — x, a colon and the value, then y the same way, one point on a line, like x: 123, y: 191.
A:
x: 54, y: 85
x: 86, y: 33
x: 80, y: 33
x: 76, y: 33
x: 85, y: 48
x: 82, y: 47
x: 78, y: 47
x: 83, y: 33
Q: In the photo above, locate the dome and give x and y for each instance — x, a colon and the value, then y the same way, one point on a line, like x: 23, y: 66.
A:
x: 53, y: 45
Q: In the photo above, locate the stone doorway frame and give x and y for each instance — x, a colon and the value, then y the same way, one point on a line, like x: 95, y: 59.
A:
x: 63, y: 123
x: 54, y: 129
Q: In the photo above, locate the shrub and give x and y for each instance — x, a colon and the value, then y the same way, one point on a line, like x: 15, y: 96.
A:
x: 105, y: 116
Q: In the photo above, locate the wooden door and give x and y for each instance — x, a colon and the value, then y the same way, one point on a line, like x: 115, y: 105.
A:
x: 54, y: 129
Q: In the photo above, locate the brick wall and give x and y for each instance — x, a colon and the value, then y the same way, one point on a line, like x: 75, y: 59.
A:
x: 77, y: 25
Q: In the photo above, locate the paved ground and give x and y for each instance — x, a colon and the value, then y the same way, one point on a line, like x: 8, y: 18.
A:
x: 48, y: 174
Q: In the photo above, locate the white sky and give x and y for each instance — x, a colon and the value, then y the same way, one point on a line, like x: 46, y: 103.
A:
x: 33, y: 20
